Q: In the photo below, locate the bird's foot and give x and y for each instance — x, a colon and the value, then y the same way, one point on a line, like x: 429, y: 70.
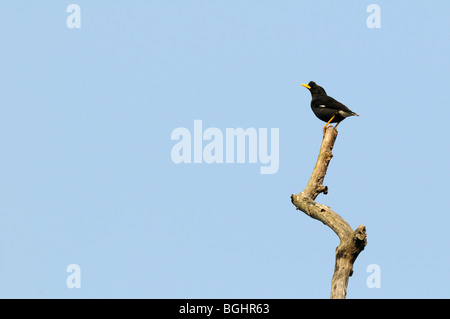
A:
x: 335, y: 127
x: 325, y: 128
x: 328, y: 125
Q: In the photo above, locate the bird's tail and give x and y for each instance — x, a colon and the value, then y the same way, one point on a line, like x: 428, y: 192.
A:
x: 348, y: 113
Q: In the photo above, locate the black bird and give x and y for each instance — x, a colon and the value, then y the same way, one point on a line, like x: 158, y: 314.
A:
x: 325, y: 107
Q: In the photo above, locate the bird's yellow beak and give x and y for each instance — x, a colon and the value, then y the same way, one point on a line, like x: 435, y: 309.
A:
x: 306, y: 86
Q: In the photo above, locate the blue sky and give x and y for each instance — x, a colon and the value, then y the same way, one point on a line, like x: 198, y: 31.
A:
x: 85, y: 135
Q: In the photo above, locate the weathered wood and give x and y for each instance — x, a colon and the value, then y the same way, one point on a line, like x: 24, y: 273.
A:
x: 351, y: 242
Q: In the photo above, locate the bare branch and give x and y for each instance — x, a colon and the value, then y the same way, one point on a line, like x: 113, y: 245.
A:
x: 351, y: 242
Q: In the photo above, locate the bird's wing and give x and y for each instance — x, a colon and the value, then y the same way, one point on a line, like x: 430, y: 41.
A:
x: 329, y: 102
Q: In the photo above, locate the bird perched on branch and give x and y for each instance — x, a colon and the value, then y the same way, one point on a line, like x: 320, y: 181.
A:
x: 325, y: 107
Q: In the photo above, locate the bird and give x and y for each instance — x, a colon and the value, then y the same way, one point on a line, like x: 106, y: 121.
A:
x: 325, y: 107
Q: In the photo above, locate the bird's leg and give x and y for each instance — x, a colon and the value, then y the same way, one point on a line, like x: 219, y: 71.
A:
x: 337, y: 124
x: 326, y: 125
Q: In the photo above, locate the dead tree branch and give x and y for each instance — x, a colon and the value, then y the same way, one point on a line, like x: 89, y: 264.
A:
x: 352, y: 242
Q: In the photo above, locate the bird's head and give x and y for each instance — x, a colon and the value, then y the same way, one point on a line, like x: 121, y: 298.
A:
x: 314, y: 88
